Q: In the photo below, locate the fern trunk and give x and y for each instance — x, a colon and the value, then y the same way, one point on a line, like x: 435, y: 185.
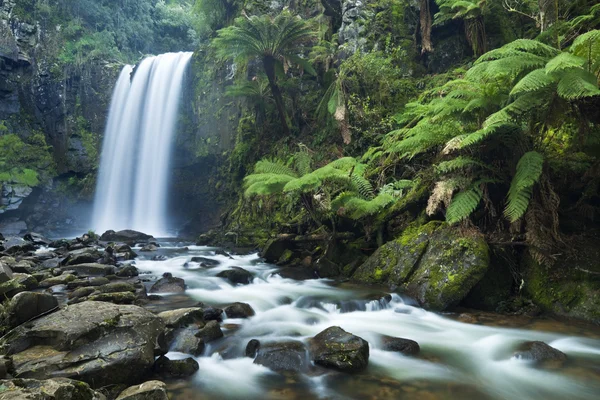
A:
x: 426, y: 23
x: 269, y: 65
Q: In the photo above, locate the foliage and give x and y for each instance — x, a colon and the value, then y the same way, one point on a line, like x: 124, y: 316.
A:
x: 471, y: 11
x: 24, y: 161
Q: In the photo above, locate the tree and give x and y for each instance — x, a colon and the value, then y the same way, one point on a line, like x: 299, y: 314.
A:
x: 274, y: 41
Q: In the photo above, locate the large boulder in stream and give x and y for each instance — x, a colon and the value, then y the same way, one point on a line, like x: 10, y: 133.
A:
x: 435, y: 264
x: 335, y: 348
x: 283, y: 356
x: 127, y: 236
x: 168, y: 284
x: 151, y: 390
x: 95, y: 342
x: 236, y: 275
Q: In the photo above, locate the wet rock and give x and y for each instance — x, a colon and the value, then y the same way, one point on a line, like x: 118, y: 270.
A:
x: 283, y: 356
x: 205, y: 262
x: 151, y: 390
x: 213, y: 314
x: 298, y: 274
x: 97, y: 342
x: 57, y: 280
x: 16, y: 245
x: 335, y: 348
x: 540, y: 353
x: 127, y: 236
x: 239, y: 310
x: 10, y: 288
x: 149, y: 247
x: 51, y: 263
x: 182, y: 317
x: 221, y: 252
x: 184, y: 340
x: 123, y: 252
x: 92, y: 269
x: 128, y: 271
x: 252, y: 348
x: 26, y: 280
x: 79, y: 294
x: 83, y: 256
x: 6, y: 366
x: 405, y: 346
x: 168, y: 284
x: 28, y: 305
x: 36, y: 238
x: 24, y: 267
x: 115, y: 297
x: 175, y: 368
x: 95, y: 281
x: 159, y: 257
x: 236, y: 275
x: 211, y: 331
x: 275, y: 248
x: 49, y: 389
x: 6, y: 273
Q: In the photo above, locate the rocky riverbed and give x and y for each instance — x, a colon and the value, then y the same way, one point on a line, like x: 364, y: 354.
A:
x: 129, y: 317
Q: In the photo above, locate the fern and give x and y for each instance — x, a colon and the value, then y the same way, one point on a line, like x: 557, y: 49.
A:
x: 482, y: 134
x: 265, y: 184
x: 273, y: 167
x: 535, y: 80
x: 362, y: 186
x: 529, y: 170
x: 459, y: 163
x: 564, y: 61
x: 463, y: 204
x: 577, y: 84
x: 351, y: 205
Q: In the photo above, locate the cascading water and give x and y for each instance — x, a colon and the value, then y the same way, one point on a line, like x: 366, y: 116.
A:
x: 132, y: 183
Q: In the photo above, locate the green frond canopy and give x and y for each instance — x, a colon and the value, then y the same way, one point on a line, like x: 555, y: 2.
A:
x: 484, y: 133
x: 267, y: 166
x: 423, y: 137
x: 458, y: 163
x: 564, y: 61
x: 265, y: 184
x: 512, y: 113
x: 587, y: 46
x: 463, y: 204
x: 529, y: 170
x: 535, y: 80
x: 351, y: 205
x: 578, y: 83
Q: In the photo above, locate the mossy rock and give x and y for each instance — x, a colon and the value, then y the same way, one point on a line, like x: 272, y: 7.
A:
x: 571, y: 287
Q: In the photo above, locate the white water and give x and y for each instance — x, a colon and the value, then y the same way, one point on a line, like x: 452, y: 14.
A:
x: 134, y: 165
x: 463, y: 361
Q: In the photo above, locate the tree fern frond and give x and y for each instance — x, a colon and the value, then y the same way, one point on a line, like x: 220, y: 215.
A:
x: 265, y: 184
x: 535, y: 80
x: 463, y: 204
x: 266, y: 166
x: 362, y: 186
x: 529, y: 170
x: 586, y: 43
x: 576, y: 84
x: 484, y: 133
x: 458, y: 163
x: 348, y: 204
x: 564, y: 61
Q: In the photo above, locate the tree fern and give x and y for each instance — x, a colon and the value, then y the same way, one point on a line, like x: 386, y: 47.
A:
x: 577, y: 84
x: 482, y: 134
x: 587, y: 46
x: 535, y: 80
x: 529, y: 170
x: 459, y: 163
x: 564, y: 61
x: 267, y: 166
x: 351, y: 205
x: 463, y: 204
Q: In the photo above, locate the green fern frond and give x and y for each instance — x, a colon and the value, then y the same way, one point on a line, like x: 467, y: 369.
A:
x: 302, y: 162
x: 266, y: 166
x: 484, y: 133
x: 463, y: 204
x: 535, y: 80
x: 459, y: 163
x: 524, y: 46
x: 362, y: 186
x: 514, y: 111
x: 564, y: 61
x: 586, y: 42
x: 576, y: 84
x: 529, y: 170
x: 354, y: 207
x: 265, y: 184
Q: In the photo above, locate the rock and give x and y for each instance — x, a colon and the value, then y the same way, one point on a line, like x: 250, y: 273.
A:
x: 168, y: 284
x: 252, y: 348
x: 239, y: 310
x: 10, y: 288
x: 57, y: 280
x: 185, y: 341
x: 434, y: 263
x: 221, y: 252
x: 175, y: 368
x: 540, y: 353
x: 149, y: 247
x: 49, y: 389
x: 26, y: 280
x: 151, y: 390
x: 36, y: 238
x: 122, y: 252
x: 92, y: 269
x: 182, y: 317
x: 236, y: 275
x: 213, y: 314
x: 6, y: 366
x: 211, y: 331
x: 205, y: 262
x: 51, y: 263
x: 405, y: 346
x: 283, y: 356
x: 95, y: 281
x: 159, y: 257
x: 335, y: 348
x: 275, y: 248
x: 115, y: 297
x: 127, y: 236
x: 80, y: 293
x: 99, y: 343
x: 116, y: 287
x: 128, y: 271
x: 28, y: 305
x: 83, y: 256
x: 6, y: 273
x: 16, y: 245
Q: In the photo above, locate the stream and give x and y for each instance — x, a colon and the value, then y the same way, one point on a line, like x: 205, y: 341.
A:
x: 457, y: 360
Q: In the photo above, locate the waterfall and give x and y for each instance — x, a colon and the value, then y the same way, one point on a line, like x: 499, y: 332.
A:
x: 131, y: 192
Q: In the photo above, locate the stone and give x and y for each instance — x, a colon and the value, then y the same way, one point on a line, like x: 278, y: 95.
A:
x: 57, y: 280
x: 127, y: 236
x: 114, y: 297
x: 151, y: 390
x: 213, y: 314
x: 26, y: 280
x: 85, y: 282
x: 92, y: 269
x: 6, y: 273
x: 159, y: 257
x: 283, y: 356
x: 399, y: 345
x: 49, y: 389
x: 184, y: 340
x: 205, y: 262
x: 10, y: 288
x: 540, y: 353
x: 16, y: 245
x: 335, y: 348
x: 28, y: 305
x: 252, y: 348
x: 236, y: 275
x: 6, y: 366
x: 99, y: 343
x: 149, y: 247
x: 275, y: 248
x: 182, y: 317
x: 36, y: 238
x: 211, y: 331
x: 83, y: 256
x: 128, y: 271
x: 168, y: 284
x: 175, y: 368
x: 239, y: 310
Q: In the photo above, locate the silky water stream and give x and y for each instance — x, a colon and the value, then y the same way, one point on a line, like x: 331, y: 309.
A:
x: 466, y: 361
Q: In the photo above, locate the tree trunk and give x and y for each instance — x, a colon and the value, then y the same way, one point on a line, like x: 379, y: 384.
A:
x: 548, y: 13
x: 269, y: 65
x: 425, y: 22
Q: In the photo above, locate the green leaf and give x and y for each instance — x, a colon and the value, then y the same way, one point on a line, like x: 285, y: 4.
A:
x: 463, y: 204
x: 529, y: 170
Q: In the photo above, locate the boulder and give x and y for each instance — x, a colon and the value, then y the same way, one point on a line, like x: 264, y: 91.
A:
x: 149, y: 247
x: 151, y: 390
x: 85, y: 282
x: 57, y: 280
x: 540, y: 353
x: 114, y: 297
x: 211, y: 331
x: 99, y: 343
x: 92, y: 269
x: 36, y: 238
x: 159, y: 257
x: 6, y: 273
x: 213, y: 314
x: 49, y: 389
x: 175, y: 368
x: 335, y: 348
x: 10, y: 288
x: 28, y: 305
x: 252, y: 348
x: 16, y: 245
x: 184, y: 340
x: 182, y: 317
x: 239, y: 310
x: 6, y: 366
x: 236, y: 275
x: 84, y: 256
x: 399, y: 345
x: 168, y: 284
x: 128, y: 271
x: 283, y: 356
x: 275, y: 248
x: 436, y: 264
x: 205, y: 262
x: 26, y: 280
x: 127, y: 236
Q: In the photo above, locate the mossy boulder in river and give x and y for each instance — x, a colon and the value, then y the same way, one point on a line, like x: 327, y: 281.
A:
x: 435, y: 263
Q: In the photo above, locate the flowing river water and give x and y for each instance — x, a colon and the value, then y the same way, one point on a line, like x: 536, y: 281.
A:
x: 466, y: 361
